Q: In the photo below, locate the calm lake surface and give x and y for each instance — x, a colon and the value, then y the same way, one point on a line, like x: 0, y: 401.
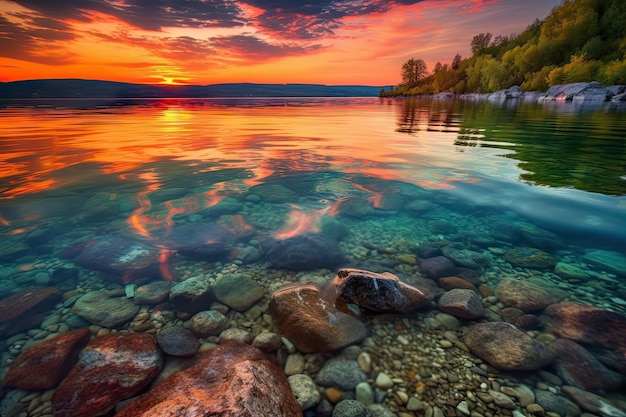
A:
x: 210, y: 188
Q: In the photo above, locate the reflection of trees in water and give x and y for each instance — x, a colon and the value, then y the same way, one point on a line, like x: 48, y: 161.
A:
x: 425, y: 115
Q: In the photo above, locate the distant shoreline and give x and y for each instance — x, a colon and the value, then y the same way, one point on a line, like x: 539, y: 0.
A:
x: 98, y: 89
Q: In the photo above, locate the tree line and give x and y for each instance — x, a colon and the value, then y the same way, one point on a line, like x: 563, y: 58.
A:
x: 580, y: 40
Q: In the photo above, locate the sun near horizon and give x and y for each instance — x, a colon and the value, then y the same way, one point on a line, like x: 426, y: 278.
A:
x: 181, y: 42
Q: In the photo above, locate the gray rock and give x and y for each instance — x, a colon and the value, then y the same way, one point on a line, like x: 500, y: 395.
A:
x: 236, y: 335
x: 192, y: 295
x: 294, y: 364
x: 613, y: 262
x: 463, y: 303
x: 152, y: 293
x: 502, y: 399
x: 305, y: 391
x: 437, y: 267
x: 577, y: 91
x: 267, y: 342
x: 178, y: 341
x: 103, y: 309
x: 340, y: 373
x: 551, y: 402
x: 208, y: 323
x: 592, y: 402
x: 571, y: 272
x: 364, y: 393
x: 351, y: 408
x: 238, y: 291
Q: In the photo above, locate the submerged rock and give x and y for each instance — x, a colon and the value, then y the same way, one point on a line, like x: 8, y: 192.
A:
x: 592, y: 402
x: 44, y: 365
x: 610, y: 261
x: 578, y: 367
x: 524, y: 295
x: 234, y: 380
x: 238, y: 291
x: 590, y: 325
x: 111, y: 368
x: 124, y: 258
x: 378, y: 292
x: 507, y: 348
x: 311, y: 323
x: 25, y: 309
x: 437, y: 267
x: 526, y: 257
x: 178, y: 341
x: 203, y: 241
x: 462, y: 303
x: 192, y: 295
x: 304, y: 252
x: 104, y: 309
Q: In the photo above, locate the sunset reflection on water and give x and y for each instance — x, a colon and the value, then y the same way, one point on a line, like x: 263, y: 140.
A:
x: 180, y: 157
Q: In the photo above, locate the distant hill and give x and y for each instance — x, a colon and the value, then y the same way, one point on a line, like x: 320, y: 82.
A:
x: 78, y: 88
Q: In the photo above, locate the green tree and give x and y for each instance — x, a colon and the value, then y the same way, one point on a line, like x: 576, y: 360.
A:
x: 480, y: 42
x: 456, y: 61
x: 413, y: 71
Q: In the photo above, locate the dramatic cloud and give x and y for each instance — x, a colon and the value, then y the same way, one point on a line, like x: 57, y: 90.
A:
x: 336, y: 41
x: 143, y: 14
x: 37, y: 40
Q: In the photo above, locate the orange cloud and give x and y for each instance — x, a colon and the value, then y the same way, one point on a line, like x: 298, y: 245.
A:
x: 277, y: 41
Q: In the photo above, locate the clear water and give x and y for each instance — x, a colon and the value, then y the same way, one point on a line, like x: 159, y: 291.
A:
x: 74, y: 171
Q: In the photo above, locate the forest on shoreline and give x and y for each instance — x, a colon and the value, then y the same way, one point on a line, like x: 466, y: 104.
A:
x: 579, y: 41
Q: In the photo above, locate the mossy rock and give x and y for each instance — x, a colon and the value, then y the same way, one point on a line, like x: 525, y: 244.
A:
x: 526, y: 257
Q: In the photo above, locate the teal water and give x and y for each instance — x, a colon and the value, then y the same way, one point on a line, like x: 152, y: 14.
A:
x: 378, y: 178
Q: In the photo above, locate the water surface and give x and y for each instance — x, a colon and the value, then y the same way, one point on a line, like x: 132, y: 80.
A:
x: 380, y: 178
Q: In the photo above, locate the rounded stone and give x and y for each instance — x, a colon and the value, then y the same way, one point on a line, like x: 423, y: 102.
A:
x: 350, y: 408
x: 235, y: 335
x: 208, y: 323
x: 364, y: 393
x: 178, y: 341
x: 383, y: 381
x: 267, y: 342
x: 305, y: 391
x: 340, y: 373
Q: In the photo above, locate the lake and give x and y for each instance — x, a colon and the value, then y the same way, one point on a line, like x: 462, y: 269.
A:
x: 488, y: 239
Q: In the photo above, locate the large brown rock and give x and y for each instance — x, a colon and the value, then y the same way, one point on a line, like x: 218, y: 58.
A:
x: 234, y: 380
x: 111, y: 368
x: 383, y: 293
x: 506, y: 347
x: 589, y: 325
x: 523, y: 295
x: 25, y: 309
x: 312, y: 323
x: 44, y: 365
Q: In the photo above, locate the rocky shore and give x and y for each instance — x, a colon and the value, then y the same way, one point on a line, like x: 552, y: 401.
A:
x: 577, y: 92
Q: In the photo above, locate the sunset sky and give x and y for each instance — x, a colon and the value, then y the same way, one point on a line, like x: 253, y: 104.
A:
x: 262, y: 41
